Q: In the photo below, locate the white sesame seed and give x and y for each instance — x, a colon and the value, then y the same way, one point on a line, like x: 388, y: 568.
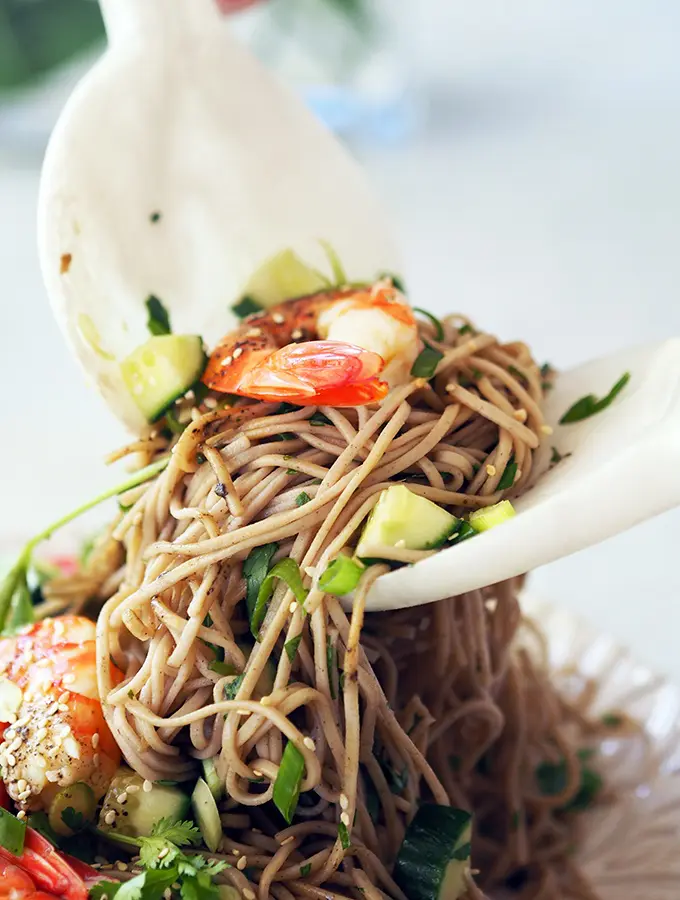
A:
x: 132, y: 788
x: 344, y: 818
x: 278, y: 319
x: 11, y: 759
x: 546, y: 429
x: 257, y: 773
x: 309, y: 744
x: 16, y: 743
x: 163, y: 852
x: 293, y: 606
x: 52, y: 775
x: 40, y: 761
x: 122, y: 797
x: 40, y: 734
x: 95, y: 740
x: 242, y: 863
x: 297, y: 334
x: 24, y: 721
x: 64, y: 697
x: 50, y: 711
x: 21, y: 814
x: 236, y: 852
x: 22, y: 784
x: 147, y: 786
x: 10, y: 734
x: 24, y: 795
x: 64, y: 731
x: 69, y: 678
x: 238, y: 352
x: 344, y: 802
x: 491, y: 470
x: 110, y: 817
x: 254, y: 332
x: 63, y: 707
x: 227, y: 361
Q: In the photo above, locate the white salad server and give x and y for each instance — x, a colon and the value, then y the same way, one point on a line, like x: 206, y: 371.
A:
x: 617, y: 468
x: 178, y: 167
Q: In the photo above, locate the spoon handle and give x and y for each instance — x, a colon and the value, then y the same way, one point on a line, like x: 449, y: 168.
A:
x: 132, y: 20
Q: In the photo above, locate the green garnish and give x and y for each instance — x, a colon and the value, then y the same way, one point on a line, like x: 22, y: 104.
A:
x: 612, y: 720
x: 343, y: 834
x: 12, y: 833
x: 426, y: 362
x: 287, y: 570
x: 552, y: 779
x: 255, y: 570
x: 246, y: 307
x: 158, y: 321
x: 342, y: 576
x: 464, y: 532
x: 288, y: 782
x: 232, y: 689
x: 339, y: 274
x: 174, y: 423
x: 396, y: 280
x: 287, y: 408
x: 155, y: 217
x: 556, y: 456
x: 305, y: 870
x: 319, y: 419
x: 465, y: 329
x: 302, y: 498
x: 508, y: 478
x: 490, y: 516
x: 291, y: 647
x: 332, y: 664
x: 284, y: 436
x: 589, y: 405
x: 438, y: 327
x: 223, y: 668
x: 15, y: 584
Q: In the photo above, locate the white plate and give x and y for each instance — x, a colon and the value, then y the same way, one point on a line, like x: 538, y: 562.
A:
x: 631, y: 849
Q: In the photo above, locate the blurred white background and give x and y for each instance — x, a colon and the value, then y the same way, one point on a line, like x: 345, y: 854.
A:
x: 540, y: 194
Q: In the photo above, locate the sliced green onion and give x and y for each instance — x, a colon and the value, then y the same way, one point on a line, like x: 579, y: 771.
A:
x: 588, y: 406
x: 246, y: 306
x: 12, y: 833
x: 232, y: 689
x: 486, y: 518
x: 288, y: 781
x: 158, y: 321
x: 465, y: 329
x: 343, y: 834
x: 464, y: 532
x: 305, y: 870
x: 291, y: 647
x: 426, y: 362
x: 508, y: 477
x: 338, y: 270
x: 342, y: 576
x: 302, y: 498
x: 287, y: 570
x: 438, y: 327
x: 223, y: 668
x: 255, y: 570
x: 173, y: 422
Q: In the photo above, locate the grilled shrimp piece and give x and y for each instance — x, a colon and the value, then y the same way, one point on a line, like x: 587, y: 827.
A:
x: 327, y: 349
x: 55, y: 733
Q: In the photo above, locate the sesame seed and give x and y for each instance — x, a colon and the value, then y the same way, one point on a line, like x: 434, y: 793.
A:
x: 95, y: 740
x: 167, y: 894
x: 52, y: 775
x: 11, y: 759
x: 297, y: 334
x: 257, y: 773
x: 122, y: 867
x: 248, y: 894
x: 122, y: 797
x: 238, y: 352
x: 546, y: 429
x: 110, y: 817
x: 490, y: 470
x: 95, y: 759
x: 21, y: 814
x: 50, y: 711
x: 518, y: 475
x: 344, y: 802
x: 265, y: 701
x: 344, y: 818
x: 63, y: 707
x: 309, y: 744
x: 22, y: 784
x: 64, y: 697
x: 69, y: 678
x: 254, y: 332
x: 293, y: 606
x: 278, y: 319
x: 24, y: 795
x: 40, y: 761
x: 16, y: 743
x: 10, y: 734
x: 242, y: 863
x: 132, y: 788
x: 24, y: 721
x: 227, y: 361
x: 147, y: 786
x: 520, y: 415
x: 164, y: 852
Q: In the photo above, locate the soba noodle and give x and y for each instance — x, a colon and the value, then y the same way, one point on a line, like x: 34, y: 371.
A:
x: 437, y: 703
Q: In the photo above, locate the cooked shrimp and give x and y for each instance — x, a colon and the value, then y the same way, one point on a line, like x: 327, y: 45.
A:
x: 325, y: 349
x: 55, y: 733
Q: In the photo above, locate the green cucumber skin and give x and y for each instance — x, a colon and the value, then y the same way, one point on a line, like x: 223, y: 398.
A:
x: 429, y: 845
x: 142, y: 809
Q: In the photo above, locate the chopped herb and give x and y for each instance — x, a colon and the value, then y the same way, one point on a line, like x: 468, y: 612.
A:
x: 612, y: 720
x: 343, y: 834
x: 463, y: 852
x: 342, y: 576
x: 476, y: 374
x: 200, y: 459
x: 291, y: 647
x: 546, y: 370
x: 513, y: 370
x: 552, y: 779
x: 286, y: 791
x: 73, y: 819
x: 396, y: 280
x: 287, y: 570
x: 155, y: 217
x: 508, y: 478
x: 332, y: 664
x: 255, y: 570
x: 287, y: 408
x: 438, y: 327
x: 12, y: 833
x: 426, y: 362
x: 589, y: 405
x: 465, y: 329
x: 305, y: 870
x: 302, y: 498
x: 319, y: 419
x: 232, y: 689
x: 284, y: 436
x: 173, y: 422
x: 546, y: 386
x: 246, y: 307
x: 158, y: 321
x: 292, y: 471
x: 223, y: 668
x: 556, y: 456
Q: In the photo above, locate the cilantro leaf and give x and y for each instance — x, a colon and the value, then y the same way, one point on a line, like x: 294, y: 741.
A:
x: 589, y: 405
x: 158, y: 321
x: 73, y: 819
x: 291, y: 647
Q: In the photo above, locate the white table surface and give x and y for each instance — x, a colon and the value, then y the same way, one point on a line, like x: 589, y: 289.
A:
x: 543, y: 200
